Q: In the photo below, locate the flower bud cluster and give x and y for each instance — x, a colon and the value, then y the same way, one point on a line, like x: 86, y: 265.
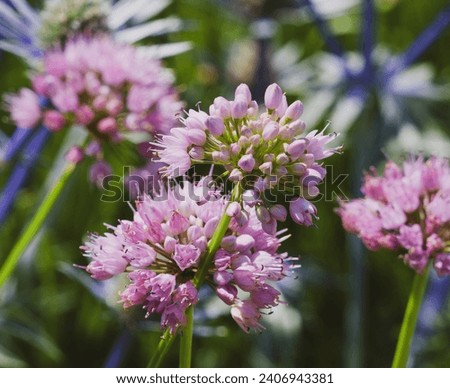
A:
x: 261, y: 151
x: 104, y: 86
x: 162, y: 247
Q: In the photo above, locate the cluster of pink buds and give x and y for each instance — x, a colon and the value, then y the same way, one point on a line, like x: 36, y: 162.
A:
x: 261, y: 151
x: 109, y: 88
x: 407, y: 210
x: 162, y: 248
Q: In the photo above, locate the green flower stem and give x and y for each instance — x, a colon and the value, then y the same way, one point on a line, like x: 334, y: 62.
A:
x: 410, y: 319
x: 161, y: 350
x: 35, y: 224
x: 216, y: 239
x: 186, y: 341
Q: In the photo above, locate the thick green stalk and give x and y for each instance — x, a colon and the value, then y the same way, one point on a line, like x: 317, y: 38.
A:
x: 409, y: 320
x: 33, y: 227
x: 186, y: 339
x: 214, y: 244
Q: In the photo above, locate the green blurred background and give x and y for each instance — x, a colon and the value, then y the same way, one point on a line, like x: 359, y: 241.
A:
x: 346, y: 307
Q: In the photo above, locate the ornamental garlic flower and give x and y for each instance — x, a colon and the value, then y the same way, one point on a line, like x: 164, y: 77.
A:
x: 162, y: 247
x: 262, y: 151
x: 104, y: 86
x: 406, y: 210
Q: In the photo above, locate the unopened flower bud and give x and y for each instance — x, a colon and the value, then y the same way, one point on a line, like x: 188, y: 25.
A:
x: 282, y: 159
x: 282, y: 107
x: 93, y: 148
x: 270, y: 131
x: 278, y: 212
x: 263, y: 214
x: 298, y: 168
x: 238, y: 108
x: 244, y: 242
x: 281, y: 171
x: 297, y: 127
x: 250, y: 197
x: 247, y: 163
x: 235, y: 148
x: 273, y: 96
x: 169, y: 244
x: 100, y: 102
x: 193, y: 123
x: 84, y: 115
x: 243, y: 91
x: 222, y: 277
x: 269, y: 157
x: 53, y: 120
x: 270, y: 227
x: 220, y: 156
x: 211, y: 226
x: 296, y: 148
x: 236, y: 175
x: 255, y: 140
x: 196, y: 153
x: 266, y: 168
x: 233, y: 209
x: 196, y: 136
x: 114, y: 106
x: 252, y: 109
x: 308, y: 159
x: 293, y: 112
x: 242, y: 219
x: 243, y: 141
x: 107, y: 125
x: 286, y: 133
x: 229, y: 243
x: 222, y: 107
x: 74, y: 155
x: 227, y: 293
x: 215, y: 125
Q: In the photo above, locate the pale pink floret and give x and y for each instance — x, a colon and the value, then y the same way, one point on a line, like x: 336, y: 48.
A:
x: 25, y: 109
x: 247, y: 315
x: 302, y: 211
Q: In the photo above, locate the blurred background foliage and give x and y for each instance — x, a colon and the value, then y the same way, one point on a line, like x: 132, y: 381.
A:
x: 346, y: 306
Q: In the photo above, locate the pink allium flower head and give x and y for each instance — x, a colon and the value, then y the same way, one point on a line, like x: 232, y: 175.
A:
x: 269, y: 147
x: 161, y: 248
x: 108, y: 87
x: 24, y: 108
x: 407, y: 209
